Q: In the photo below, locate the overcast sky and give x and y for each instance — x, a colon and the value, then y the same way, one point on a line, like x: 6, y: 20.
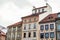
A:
x: 11, y: 11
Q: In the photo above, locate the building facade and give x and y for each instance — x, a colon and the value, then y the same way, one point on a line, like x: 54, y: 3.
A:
x: 2, y: 35
x: 29, y: 28
x: 50, y: 27
x: 14, y: 31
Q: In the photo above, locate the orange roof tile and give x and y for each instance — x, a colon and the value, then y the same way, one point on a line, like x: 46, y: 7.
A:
x: 15, y: 24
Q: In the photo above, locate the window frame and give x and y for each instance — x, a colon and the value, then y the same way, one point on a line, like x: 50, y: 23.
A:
x: 34, y: 26
x: 29, y: 34
x: 46, y: 34
x: 41, y: 27
x: 46, y: 27
x: 51, y: 25
x: 34, y: 34
x: 24, y: 35
x: 25, y: 27
x: 51, y: 35
x: 41, y: 35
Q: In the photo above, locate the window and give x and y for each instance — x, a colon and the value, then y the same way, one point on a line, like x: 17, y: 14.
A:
x: 41, y: 35
x: 14, y: 28
x: 29, y: 35
x: 24, y: 35
x: 34, y: 34
x: 43, y: 10
x: 25, y: 21
x: 52, y: 35
x: 29, y: 20
x: 46, y: 35
x: 29, y: 26
x: 24, y: 27
x: 42, y: 27
x: 34, y: 25
x: 34, y: 19
x: 46, y: 27
x: 18, y: 28
x: 51, y: 26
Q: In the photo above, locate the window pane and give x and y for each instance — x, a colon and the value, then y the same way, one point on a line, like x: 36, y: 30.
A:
x: 46, y: 27
x: 29, y: 35
x: 51, y: 26
x: 34, y: 34
x: 24, y: 35
x: 29, y: 26
x: 46, y: 35
x: 34, y: 25
x: 42, y: 27
x: 24, y: 27
x: 52, y: 35
x: 41, y: 35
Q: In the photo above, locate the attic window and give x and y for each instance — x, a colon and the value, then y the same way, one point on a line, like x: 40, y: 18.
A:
x: 50, y: 17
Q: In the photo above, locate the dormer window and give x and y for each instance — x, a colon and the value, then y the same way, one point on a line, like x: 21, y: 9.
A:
x: 33, y: 11
x: 50, y: 17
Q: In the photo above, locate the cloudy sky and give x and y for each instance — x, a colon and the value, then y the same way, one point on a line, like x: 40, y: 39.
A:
x: 11, y: 11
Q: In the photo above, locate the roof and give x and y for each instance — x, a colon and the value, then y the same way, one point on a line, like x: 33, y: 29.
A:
x: 36, y: 14
x: 40, y: 7
x: 2, y: 33
x: 15, y: 24
x: 49, y: 18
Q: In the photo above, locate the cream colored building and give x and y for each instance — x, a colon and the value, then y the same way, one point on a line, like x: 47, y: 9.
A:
x: 14, y: 31
x: 48, y: 27
x: 29, y: 29
x: 30, y: 23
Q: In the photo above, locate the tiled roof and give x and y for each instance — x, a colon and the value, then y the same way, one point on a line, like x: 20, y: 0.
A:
x: 15, y: 24
x: 40, y: 7
x: 2, y: 33
x: 36, y: 14
x: 49, y: 18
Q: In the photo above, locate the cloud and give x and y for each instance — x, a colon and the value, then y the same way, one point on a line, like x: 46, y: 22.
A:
x: 10, y: 13
x: 19, y: 3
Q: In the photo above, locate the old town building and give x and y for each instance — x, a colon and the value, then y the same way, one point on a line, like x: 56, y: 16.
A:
x: 28, y: 29
x: 14, y: 31
x: 50, y: 27
x: 30, y: 23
